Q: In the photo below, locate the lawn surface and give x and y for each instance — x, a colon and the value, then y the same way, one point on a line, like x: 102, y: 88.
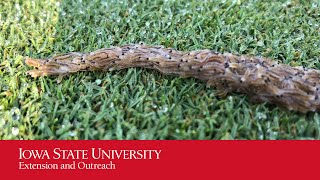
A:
x: 143, y: 104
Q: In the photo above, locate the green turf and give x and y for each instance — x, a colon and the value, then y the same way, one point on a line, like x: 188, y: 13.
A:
x: 143, y: 104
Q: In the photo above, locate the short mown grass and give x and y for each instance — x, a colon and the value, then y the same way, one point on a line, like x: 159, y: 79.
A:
x: 143, y: 104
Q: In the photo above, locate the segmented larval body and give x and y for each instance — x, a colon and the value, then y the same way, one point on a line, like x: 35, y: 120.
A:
x: 261, y: 79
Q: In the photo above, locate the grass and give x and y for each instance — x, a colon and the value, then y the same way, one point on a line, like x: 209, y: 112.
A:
x: 143, y: 104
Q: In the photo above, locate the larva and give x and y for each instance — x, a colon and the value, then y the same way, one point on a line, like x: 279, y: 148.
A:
x: 261, y: 79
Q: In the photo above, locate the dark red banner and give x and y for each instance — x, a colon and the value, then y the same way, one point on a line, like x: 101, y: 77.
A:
x: 159, y: 159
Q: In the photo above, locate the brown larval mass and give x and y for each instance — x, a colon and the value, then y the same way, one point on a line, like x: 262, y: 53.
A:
x: 261, y: 79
